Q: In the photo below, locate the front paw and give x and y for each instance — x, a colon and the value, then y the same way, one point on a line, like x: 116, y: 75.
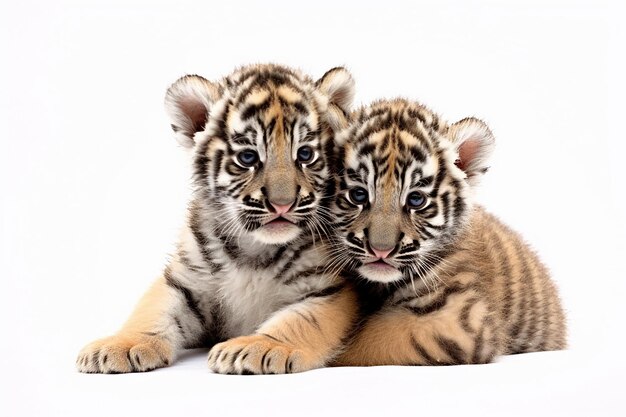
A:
x: 124, y: 353
x: 258, y: 354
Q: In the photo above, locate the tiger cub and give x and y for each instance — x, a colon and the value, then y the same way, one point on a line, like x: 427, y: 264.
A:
x: 444, y: 281
x: 245, y: 276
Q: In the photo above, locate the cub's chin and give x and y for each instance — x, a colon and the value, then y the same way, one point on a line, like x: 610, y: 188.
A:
x: 276, y: 232
x: 379, y: 272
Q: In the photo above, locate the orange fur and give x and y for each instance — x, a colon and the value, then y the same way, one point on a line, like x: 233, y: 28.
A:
x: 297, y: 339
x: 398, y: 336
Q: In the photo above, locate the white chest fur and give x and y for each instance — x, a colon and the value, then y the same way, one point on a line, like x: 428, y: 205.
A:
x: 246, y: 295
x: 249, y: 296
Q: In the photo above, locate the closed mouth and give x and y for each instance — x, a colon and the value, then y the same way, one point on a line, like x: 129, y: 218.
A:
x: 379, y: 270
x: 379, y: 264
x: 279, y: 220
x: 279, y: 223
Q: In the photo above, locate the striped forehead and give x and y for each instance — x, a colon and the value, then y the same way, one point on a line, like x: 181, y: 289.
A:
x: 270, y: 108
x: 392, y: 154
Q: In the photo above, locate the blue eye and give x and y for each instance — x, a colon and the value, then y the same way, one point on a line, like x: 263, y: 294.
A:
x: 248, y: 157
x: 305, y: 154
x: 416, y: 200
x: 358, y: 195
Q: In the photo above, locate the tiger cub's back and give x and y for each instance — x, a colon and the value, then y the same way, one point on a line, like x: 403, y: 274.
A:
x: 522, y: 296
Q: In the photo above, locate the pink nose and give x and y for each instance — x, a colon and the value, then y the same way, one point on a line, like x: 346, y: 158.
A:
x: 281, y: 208
x: 381, y: 254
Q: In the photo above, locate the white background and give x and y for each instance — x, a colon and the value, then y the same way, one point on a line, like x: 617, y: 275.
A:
x: 93, y: 187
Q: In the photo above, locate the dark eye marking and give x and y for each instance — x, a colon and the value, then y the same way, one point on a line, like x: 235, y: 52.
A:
x: 425, y: 182
x: 308, y: 135
x: 353, y: 175
x: 241, y: 139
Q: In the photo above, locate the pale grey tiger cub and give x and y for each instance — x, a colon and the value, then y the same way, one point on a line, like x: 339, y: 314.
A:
x: 246, y: 278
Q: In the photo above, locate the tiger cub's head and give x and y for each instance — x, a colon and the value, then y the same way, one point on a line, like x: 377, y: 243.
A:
x: 404, y: 189
x: 261, y: 139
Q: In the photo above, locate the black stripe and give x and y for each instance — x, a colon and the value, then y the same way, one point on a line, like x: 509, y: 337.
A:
x: 438, y: 302
x: 441, y: 173
x: 243, y: 138
x: 520, y: 321
x: 230, y: 249
x: 505, y: 270
x: 201, y: 239
x: 328, y: 291
x: 428, y: 360
x: 308, y: 318
x: 234, y: 358
x: 269, y: 130
x: 296, y: 255
x: 417, y: 154
x: 180, y: 326
x: 543, y: 324
x: 366, y: 149
x: 493, y: 344
x: 459, y: 208
x: 425, y: 181
x: 217, y: 163
x: 263, y: 367
x: 313, y: 321
x: 465, y: 313
x: 452, y: 349
x: 445, y: 201
x: 201, y: 159
x: 187, y: 294
x: 272, y: 260
x: 130, y: 362
x: 528, y: 301
x: 215, y: 332
x: 269, y: 336
x: 301, y: 274
x: 478, y: 345
x: 533, y: 321
x: 416, y: 113
x: 250, y: 110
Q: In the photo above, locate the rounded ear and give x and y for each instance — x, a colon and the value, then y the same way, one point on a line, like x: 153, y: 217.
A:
x: 338, y: 86
x: 474, y: 143
x: 187, y: 103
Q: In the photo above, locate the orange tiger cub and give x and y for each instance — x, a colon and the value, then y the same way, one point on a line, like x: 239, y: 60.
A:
x: 244, y: 280
x: 444, y: 281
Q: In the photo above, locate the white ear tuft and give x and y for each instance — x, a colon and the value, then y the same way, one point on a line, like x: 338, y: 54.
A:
x: 187, y: 103
x: 338, y: 86
x: 474, y: 142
